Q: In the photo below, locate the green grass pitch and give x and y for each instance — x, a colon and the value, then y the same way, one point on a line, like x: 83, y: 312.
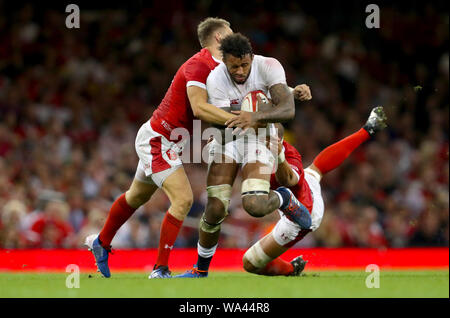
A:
x: 320, y: 284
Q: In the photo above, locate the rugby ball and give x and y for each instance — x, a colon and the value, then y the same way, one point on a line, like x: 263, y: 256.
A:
x: 250, y: 101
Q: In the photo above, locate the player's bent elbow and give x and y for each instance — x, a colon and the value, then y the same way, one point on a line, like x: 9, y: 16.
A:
x: 196, y: 112
x: 288, y: 181
x: 196, y: 106
x: 291, y: 112
x: 292, y: 181
x: 200, y: 114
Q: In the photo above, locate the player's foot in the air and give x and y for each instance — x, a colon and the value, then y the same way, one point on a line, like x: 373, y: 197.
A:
x: 376, y: 122
x: 100, y: 254
x: 160, y: 272
x: 299, y: 265
x: 193, y: 273
x: 294, y: 209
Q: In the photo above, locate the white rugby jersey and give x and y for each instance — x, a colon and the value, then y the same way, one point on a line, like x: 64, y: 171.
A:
x: 224, y: 92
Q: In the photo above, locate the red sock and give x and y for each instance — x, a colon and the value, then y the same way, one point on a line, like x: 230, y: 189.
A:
x: 277, y: 267
x: 332, y: 156
x: 169, y: 231
x: 119, y: 213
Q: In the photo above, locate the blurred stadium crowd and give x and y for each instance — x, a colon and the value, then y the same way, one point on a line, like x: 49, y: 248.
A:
x: 72, y: 100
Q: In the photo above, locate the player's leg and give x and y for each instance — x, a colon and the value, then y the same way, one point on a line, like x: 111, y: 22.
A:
x: 121, y: 210
x: 257, y: 197
x: 263, y: 258
x: 178, y: 189
x: 220, y: 179
x: 332, y: 157
x: 263, y: 252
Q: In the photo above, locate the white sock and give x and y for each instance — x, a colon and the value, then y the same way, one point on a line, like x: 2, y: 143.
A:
x: 280, y: 198
x: 206, y: 252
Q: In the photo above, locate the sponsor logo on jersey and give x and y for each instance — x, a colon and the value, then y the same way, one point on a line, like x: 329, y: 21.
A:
x: 166, y: 125
x: 171, y: 154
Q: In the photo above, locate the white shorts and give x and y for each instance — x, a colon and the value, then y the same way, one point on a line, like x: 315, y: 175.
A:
x: 286, y: 231
x: 158, y: 157
x: 242, y: 151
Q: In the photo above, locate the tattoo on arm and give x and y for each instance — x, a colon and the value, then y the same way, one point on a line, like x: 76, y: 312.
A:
x: 283, y: 106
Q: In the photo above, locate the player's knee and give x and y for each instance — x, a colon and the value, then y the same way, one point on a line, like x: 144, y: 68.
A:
x: 188, y: 201
x: 183, y: 203
x: 255, y: 205
x: 218, y: 202
x: 254, y: 196
x: 213, y: 216
x: 215, y: 211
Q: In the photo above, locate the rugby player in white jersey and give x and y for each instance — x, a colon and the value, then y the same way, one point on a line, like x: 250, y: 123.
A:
x: 243, y: 72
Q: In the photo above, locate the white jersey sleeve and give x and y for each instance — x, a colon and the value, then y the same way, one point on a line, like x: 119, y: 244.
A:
x: 216, y: 88
x: 272, y: 71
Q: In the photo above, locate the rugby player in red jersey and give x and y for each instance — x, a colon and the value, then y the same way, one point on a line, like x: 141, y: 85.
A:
x: 263, y: 257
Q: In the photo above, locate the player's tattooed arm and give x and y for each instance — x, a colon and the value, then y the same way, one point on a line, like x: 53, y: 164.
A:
x: 283, y: 108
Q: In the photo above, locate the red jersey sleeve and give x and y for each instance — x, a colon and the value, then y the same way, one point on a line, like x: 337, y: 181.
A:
x: 196, y: 73
x: 294, y: 159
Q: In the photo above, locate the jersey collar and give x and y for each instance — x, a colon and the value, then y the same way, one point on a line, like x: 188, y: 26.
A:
x: 217, y: 60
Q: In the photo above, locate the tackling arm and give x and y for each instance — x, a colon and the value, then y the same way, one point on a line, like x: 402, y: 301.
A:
x: 198, y: 98
x: 285, y: 175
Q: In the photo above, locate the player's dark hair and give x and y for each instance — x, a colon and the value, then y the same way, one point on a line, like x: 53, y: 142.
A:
x: 237, y: 45
x: 207, y: 27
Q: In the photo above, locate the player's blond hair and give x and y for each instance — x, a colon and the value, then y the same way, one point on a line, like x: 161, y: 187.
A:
x: 207, y: 27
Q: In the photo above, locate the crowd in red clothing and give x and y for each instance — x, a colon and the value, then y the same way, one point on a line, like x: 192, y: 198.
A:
x: 72, y: 100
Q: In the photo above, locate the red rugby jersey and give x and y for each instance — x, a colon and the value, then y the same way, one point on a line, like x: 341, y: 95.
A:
x: 301, y: 190
x: 175, y: 110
